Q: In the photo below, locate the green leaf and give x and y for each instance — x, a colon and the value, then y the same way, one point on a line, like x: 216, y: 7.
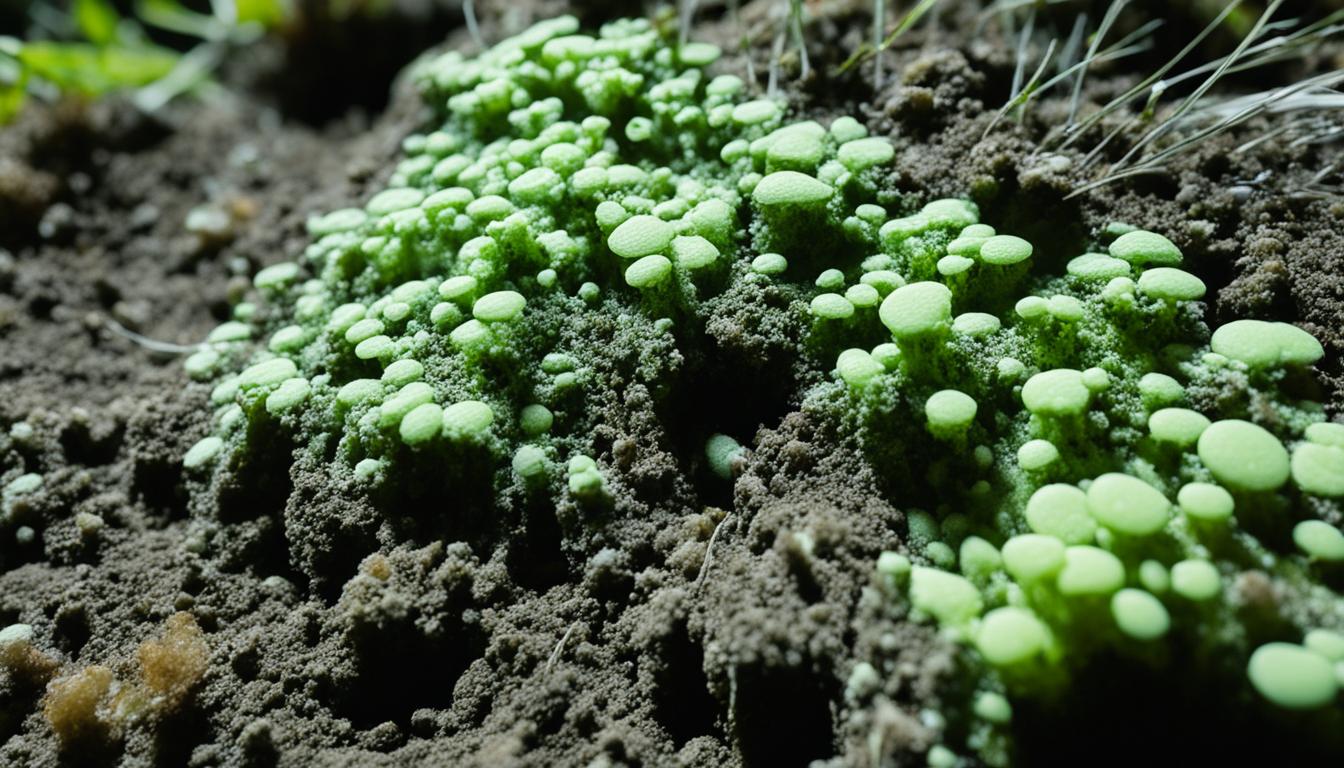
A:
x: 97, y: 19
x: 268, y: 13
x: 90, y: 70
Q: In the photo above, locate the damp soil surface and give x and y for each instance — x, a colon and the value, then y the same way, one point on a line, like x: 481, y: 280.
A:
x: 694, y: 634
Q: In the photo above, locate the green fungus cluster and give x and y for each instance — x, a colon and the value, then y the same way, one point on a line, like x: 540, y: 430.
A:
x: 572, y: 176
x: 1084, y: 467
x: 1100, y: 473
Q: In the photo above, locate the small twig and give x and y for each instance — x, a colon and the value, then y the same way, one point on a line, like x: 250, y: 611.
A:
x: 796, y: 25
x: 560, y: 646
x: 151, y: 344
x: 709, y: 552
x: 473, y: 29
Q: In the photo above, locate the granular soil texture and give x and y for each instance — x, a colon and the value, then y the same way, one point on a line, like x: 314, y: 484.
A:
x: 296, y: 623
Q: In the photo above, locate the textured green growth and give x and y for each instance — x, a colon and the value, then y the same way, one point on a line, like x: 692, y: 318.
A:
x: 591, y: 211
x: 1261, y: 344
x: 1140, y: 615
x: 1292, y: 677
x: 1244, y: 456
x: 1142, y: 248
x: 1127, y: 505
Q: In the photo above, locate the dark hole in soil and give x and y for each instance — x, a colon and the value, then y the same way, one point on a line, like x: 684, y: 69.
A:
x: 783, y: 717
x: 684, y: 704
x: 179, y: 734
x: 1141, y: 716
x: 332, y: 66
x: 72, y: 630
x: 721, y: 394
x: 401, y: 670
x: 535, y: 559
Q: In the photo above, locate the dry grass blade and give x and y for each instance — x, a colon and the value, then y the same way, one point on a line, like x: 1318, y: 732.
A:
x: 1147, y: 83
x: 1190, y: 101
x: 1107, y: 21
x: 473, y: 28
x: 1311, y: 94
x: 796, y: 27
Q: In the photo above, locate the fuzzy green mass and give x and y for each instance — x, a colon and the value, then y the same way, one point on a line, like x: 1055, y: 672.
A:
x: 1100, y: 469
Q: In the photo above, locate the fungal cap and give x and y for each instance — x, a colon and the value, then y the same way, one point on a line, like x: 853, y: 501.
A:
x: 641, y: 235
x: 1261, y: 344
x: 1031, y: 557
x: 498, y: 307
x: 1011, y: 635
x: 421, y: 424
x: 1143, y: 247
x: 1319, y: 469
x: 1089, y: 571
x: 1058, y: 392
x: 1170, y: 284
x: 949, y: 598
x: 1060, y: 510
x: 1243, y: 456
x: 791, y: 188
x: 858, y: 367
x: 1127, y: 505
x: 1037, y: 454
x: 916, y: 310
x: 949, y: 411
x: 1205, y: 501
x: 648, y: 271
x: 1003, y: 250
x: 1181, y: 426
x: 1196, y: 580
x: 1140, y: 615
x: 1291, y: 676
x: 1320, y: 540
x: 467, y: 418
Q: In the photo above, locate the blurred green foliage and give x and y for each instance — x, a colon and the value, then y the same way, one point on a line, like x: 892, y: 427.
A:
x: 98, y: 50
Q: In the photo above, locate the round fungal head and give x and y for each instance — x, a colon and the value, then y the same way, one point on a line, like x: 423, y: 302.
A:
x: 1261, y: 344
x: 1292, y: 677
x: 949, y: 598
x: 949, y: 412
x: 1170, y: 284
x: 498, y: 307
x: 917, y: 310
x: 1089, y: 571
x: 1179, y: 426
x: 1060, y: 510
x: 1319, y: 540
x: 1032, y: 557
x: 1142, y: 247
x: 1206, y: 502
x: 1140, y: 615
x: 1326, y: 433
x: 1196, y: 580
x: 1003, y: 250
x: 468, y: 418
x: 858, y: 367
x: 1243, y: 456
x: 1035, y: 455
x: 791, y: 188
x: 1319, y: 469
x: 1010, y: 636
x: 648, y: 272
x: 1058, y: 392
x: 640, y: 236
x: 1127, y: 505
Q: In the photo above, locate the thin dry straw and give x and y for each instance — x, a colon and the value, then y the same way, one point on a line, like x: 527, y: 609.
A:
x: 473, y: 29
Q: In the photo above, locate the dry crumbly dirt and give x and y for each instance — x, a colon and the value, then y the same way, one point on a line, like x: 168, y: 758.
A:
x: 696, y: 628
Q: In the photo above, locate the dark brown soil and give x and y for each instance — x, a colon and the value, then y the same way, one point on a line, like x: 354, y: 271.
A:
x: 700, y: 631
